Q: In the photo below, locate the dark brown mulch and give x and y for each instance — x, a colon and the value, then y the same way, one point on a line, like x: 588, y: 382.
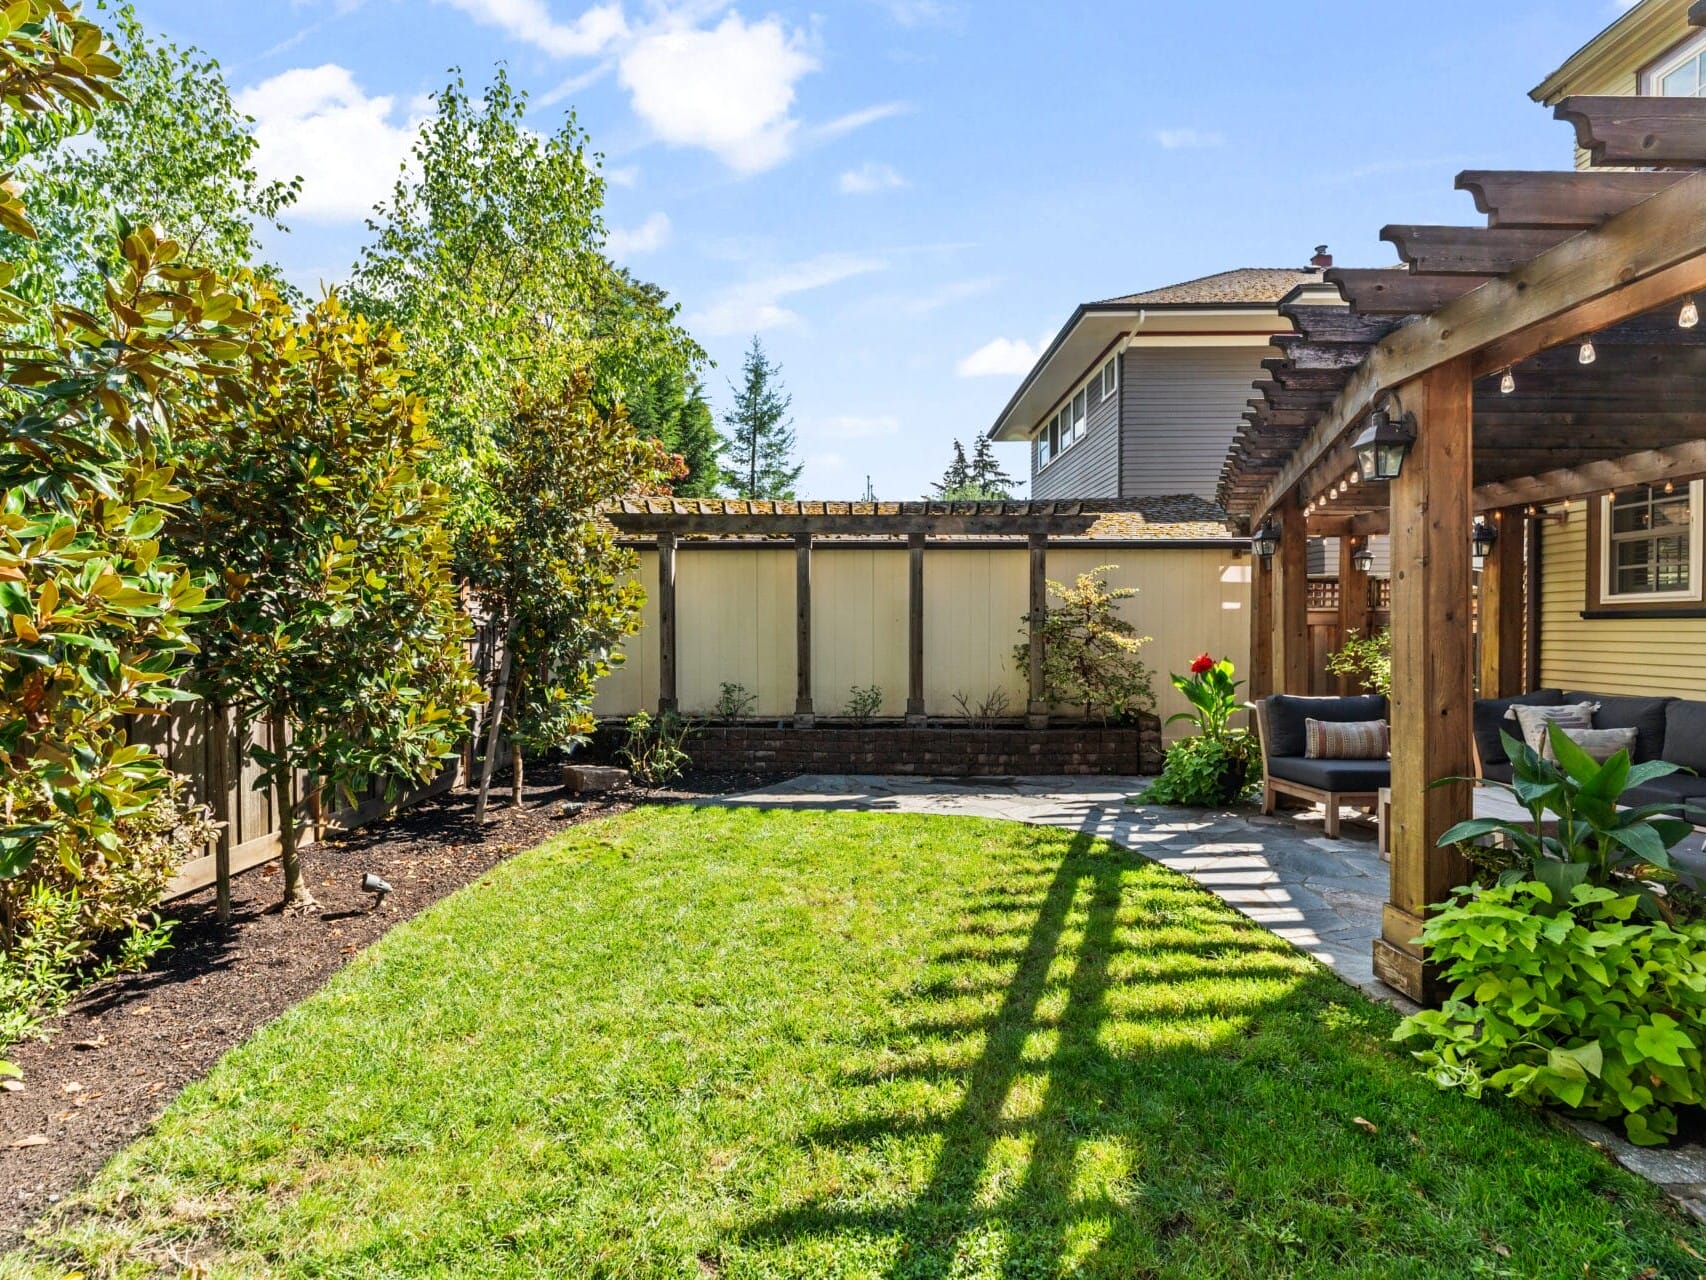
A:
x: 111, y: 1063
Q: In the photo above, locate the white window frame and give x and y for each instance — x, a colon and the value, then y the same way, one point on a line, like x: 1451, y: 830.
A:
x: 1111, y: 377
x: 1687, y: 51
x: 1608, y: 593
x: 1071, y: 425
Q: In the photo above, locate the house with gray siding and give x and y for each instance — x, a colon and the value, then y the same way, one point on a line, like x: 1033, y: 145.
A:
x: 1139, y: 396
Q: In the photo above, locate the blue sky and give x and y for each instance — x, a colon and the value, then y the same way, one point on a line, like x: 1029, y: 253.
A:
x: 906, y: 198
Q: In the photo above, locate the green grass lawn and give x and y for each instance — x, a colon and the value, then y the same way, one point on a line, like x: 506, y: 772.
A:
x: 736, y: 1044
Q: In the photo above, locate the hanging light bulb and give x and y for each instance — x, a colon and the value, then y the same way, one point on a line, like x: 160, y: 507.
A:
x: 1507, y: 383
x: 1587, y: 355
x: 1690, y: 316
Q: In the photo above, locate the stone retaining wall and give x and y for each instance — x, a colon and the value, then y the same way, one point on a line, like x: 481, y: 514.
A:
x: 937, y: 750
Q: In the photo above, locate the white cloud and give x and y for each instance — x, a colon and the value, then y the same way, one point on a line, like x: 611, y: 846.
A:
x: 1188, y: 139
x: 841, y: 126
x: 627, y: 176
x: 1001, y: 358
x: 650, y: 236
x: 317, y: 123
x: 529, y: 20
x: 729, y: 89
x: 853, y: 426
x: 870, y: 178
x: 757, y: 305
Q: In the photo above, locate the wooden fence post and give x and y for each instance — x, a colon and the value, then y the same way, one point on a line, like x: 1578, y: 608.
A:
x: 915, y: 713
x: 804, y: 715
x: 1036, y: 713
x: 667, y: 700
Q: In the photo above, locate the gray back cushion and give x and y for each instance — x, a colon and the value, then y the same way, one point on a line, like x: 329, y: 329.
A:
x: 1685, y: 735
x: 1491, y: 720
x: 1644, y: 715
x: 1286, y: 714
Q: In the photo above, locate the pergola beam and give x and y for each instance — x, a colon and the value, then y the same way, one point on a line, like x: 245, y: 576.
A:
x: 1643, y: 130
x: 1594, y: 279
x: 1373, y: 292
x: 1517, y: 198
x: 1471, y: 251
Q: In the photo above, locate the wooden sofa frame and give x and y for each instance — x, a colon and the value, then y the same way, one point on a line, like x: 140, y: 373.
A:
x: 1273, y: 788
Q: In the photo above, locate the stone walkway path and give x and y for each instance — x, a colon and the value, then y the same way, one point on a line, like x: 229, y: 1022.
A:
x: 1323, y: 896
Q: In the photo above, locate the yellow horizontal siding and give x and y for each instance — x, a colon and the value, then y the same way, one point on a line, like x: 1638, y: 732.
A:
x: 1609, y: 655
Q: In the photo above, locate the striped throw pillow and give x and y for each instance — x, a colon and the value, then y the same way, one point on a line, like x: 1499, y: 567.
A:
x: 1578, y: 715
x: 1347, y: 739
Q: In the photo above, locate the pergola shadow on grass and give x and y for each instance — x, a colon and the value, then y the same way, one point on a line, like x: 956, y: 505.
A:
x: 745, y: 1043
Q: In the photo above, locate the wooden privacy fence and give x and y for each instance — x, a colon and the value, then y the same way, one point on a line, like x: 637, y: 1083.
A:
x: 925, y: 602
x: 208, y: 747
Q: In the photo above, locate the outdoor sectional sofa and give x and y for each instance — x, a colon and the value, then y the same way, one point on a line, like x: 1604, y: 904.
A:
x: 1672, y: 729
x: 1288, y: 770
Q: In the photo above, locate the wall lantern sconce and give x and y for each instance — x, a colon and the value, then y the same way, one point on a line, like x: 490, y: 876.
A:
x: 1483, y: 538
x: 1385, y: 442
x: 1266, y: 541
x: 1362, y: 560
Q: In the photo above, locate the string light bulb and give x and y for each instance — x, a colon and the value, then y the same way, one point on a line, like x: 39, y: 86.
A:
x: 1507, y: 382
x: 1587, y: 355
x: 1690, y: 316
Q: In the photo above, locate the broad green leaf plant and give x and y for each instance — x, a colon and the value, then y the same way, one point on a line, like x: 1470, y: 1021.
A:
x: 1212, y: 767
x: 1575, y: 980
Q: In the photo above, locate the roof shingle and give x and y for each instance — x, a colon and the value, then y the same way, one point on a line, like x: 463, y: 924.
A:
x: 1252, y: 285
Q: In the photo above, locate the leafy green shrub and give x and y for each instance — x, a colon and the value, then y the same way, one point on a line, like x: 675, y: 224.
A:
x: 734, y: 702
x: 1365, y: 659
x: 1574, y: 1001
x: 863, y: 703
x: 655, y: 748
x: 1578, y: 832
x: 1201, y: 773
x: 1090, y: 653
x: 1212, y: 768
x: 65, y: 924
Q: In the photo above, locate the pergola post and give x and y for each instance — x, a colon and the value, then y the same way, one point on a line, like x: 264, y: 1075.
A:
x: 1503, y: 607
x: 915, y: 629
x: 1353, y: 601
x: 804, y: 717
x: 1036, y: 712
x: 1261, y: 626
x: 1432, y: 651
x: 667, y: 700
x: 1291, y: 659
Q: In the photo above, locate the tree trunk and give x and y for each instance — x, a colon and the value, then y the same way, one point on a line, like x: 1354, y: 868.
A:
x: 500, y: 695
x: 516, y: 763
x: 297, y: 896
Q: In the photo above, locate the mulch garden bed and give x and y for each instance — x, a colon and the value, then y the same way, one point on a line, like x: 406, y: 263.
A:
x: 111, y: 1062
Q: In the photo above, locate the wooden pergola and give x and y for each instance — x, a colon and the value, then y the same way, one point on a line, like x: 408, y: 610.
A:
x: 1608, y: 253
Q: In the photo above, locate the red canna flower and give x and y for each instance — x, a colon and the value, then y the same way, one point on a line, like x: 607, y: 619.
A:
x: 1202, y: 665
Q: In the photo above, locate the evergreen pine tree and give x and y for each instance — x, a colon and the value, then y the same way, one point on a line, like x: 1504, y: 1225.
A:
x: 760, y: 440
x: 697, y: 441
x: 986, y: 472
x: 955, y: 479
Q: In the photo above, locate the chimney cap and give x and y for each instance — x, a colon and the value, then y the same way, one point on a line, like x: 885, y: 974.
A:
x: 1322, y: 258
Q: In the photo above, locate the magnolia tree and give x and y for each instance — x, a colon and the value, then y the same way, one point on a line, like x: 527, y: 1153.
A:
x: 559, y: 588
x: 341, y: 628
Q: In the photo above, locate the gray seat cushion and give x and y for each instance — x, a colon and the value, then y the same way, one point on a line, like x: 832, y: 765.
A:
x: 1332, y: 775
x: 1685, y: 793
x: 1685, y: 735
x: 1491, y: 720
x: 1286, y: 714
x: 1645, y: 715
x: 1498, y: 772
